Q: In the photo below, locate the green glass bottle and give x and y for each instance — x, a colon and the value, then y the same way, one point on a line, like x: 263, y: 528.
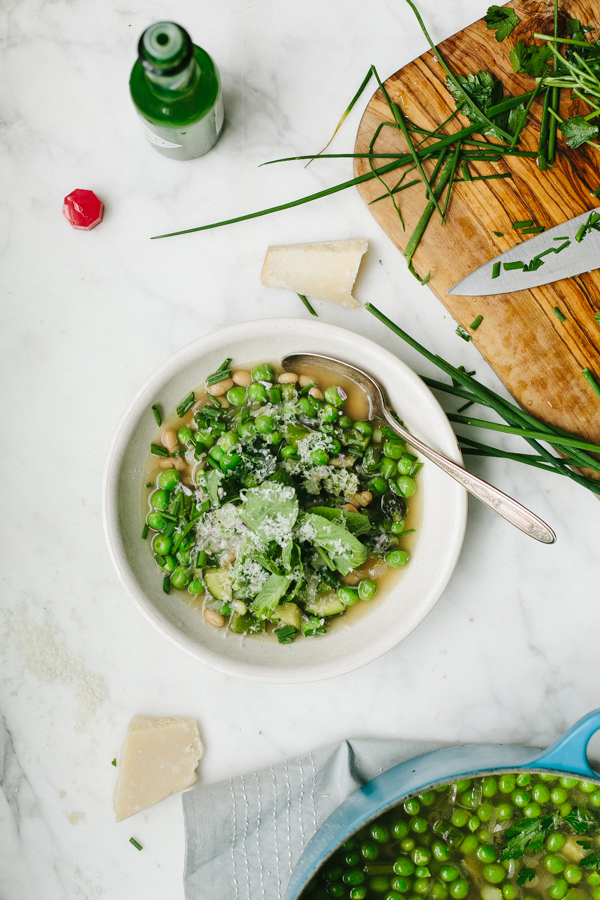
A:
x: 176, y: 88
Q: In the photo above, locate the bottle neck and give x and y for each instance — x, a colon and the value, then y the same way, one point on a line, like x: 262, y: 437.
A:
x: 175, y: 84
x: 167, y: 56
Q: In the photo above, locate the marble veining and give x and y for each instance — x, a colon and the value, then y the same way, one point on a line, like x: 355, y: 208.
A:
x: 510, y: 652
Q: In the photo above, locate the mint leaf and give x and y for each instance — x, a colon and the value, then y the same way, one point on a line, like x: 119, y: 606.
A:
x: 271, y: 511
x: 530, y: 59
x: 356, y: 523
x: 501, y: 20
x: 213, y: 483
x: 269, y: 595
x: 577, y: 131
x: 345, y: 551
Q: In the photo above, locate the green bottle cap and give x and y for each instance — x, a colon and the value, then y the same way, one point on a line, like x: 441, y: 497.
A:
x: 165, y: 49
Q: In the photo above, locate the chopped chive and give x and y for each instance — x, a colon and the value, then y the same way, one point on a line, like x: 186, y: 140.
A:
x: 591, y: 381
x: 558, y: 314
x: 169, y: 517
x: 524, y: 224
x: 496, y: 269
x: 476, y: 323
x: 498, y: 233
x: 308, y: 305
x: 157, y: 450
x: 186, y: 404
x: 536, y: 229
x: 201, y: 559
x: 460, y: 331
x: 224, y: 365
x: 221, y: 375
x: 149, y: 484
x: 286, y: 634
x: 413, y: 472
x: 167, y: 584
x: 514, y: 265
x: 560, y: 239
x: 597, y: 318
x: 543, y: 139
x: 465, y: 170
x: 135, y: 844
x: 114, y: 762
x: 145, y: 531
x: 408, y: 530
x: 157, y: 414
x: 216, y: 402
x: 596, y: 193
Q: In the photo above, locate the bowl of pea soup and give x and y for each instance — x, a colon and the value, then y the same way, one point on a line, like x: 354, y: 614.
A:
x: 480, y: 822
x: 262, y: 521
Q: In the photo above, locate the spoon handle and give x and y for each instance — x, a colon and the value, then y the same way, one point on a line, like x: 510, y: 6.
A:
x: 504, y: 505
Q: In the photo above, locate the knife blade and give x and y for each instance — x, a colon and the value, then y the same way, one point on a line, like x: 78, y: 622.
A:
x: 573, y: 259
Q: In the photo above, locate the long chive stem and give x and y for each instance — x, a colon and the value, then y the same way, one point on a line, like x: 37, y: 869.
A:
x: 523, y: 432
x: 307, y: 303
x: 346, y: 113
x: 543, y: 141
x: 591, y: 381
x: 553, y: 126
x: 427, y: 213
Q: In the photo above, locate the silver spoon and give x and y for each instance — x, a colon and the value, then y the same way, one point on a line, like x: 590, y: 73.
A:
x: 505, y: 506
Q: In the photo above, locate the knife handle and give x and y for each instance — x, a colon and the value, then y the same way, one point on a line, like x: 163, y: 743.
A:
x: 501, y: 503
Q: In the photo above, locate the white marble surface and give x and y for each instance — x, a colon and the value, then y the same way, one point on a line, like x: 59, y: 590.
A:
x: 510, y: 653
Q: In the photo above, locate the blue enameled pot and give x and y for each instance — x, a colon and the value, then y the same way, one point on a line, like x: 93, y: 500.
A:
x: 568, y: 756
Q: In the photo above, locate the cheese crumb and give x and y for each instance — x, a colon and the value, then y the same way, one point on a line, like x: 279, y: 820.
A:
x: 325, y: 270
x: 159, y: 757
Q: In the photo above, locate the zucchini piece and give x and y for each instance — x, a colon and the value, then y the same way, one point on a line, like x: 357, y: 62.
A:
x: 244, y: 624
x: 330, y: 605
x: 218, y: 583
x: 287, y: 614
x: 294, y: 434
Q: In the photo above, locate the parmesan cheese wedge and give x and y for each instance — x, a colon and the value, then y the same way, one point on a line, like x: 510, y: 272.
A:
x: 159, y: 758
x: 326, y: 270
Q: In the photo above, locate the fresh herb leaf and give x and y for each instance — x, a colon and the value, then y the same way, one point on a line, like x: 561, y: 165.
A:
x: 576, y: 131
x: 274, y: 588
x: 501, y: 20
x: 213, y: 485
x: 345, y: 550
x: 114, y: 762
x: 266, y: 563
x: 357, y: 523
x: 581, y: 819
x: 530, y: 59
x: 597, y: 318
x: 486, y: 92
x: 271, y: 511
x: 591, y: 860
x: 526, y: 875
x: 527, y: 835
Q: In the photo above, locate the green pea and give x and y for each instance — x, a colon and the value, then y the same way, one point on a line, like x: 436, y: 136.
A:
x: 412, y: 806
x: 169, y: 479
x: 418, y: 825
x: 406, y: 485
x: 596, y: 893
x: 275, y: 438
x: 494, y: 874
x: 489, y: 787
x: 555, y: 842
x: 264, y: 372
x: 328, y: 413
x: 427, y: 798
x: 554, y: 864
x: 335, y: 395
x: 560, y: 887
x: 402, y: 885
x: 507, y: 784
x: 335, y: 889
x: 594, y: 879
x: 288, y: 392
x: 352, y: 859
x: 160, y: 499
x: 400, y: 829
x: 204, y: 435
x: 216, y: 453
x: 379, y: 884
x: 449, y: 873
x: 468, y: 799
x: 364, y: 428
x: 460, y: 817
x: 348, y: 595
x: 505, y: 811
x: 473, y: 823
x: 485, y: 811
x: 247, y: 430
x: 162, y: 544
x: 459, y: 889
x: 195, y: 586
x: 440, y: 851
x: 548, y: 777
x: 333, y: 873
x: 568, y: 783
x: 540, y: 793
x: 257, y: 393
x: 344, y: 422
x: 588, y: 787
x: 354, y: 876
x: 470, y: 844
x: 509, y: 892
x: 565, y: 809
x: 573, y: 874
x: 168, y: 565
x: 484, y: 836
x: 520, y: 798
x: 486, y: 854
x: 288, y: 452
x: 404, y: 866
x: 422, y: 872
x: 532, y: 811
x: 421, y: 886
x: 523, y: 779
x: 397, y: 559
x: 421, y: 856
x: 369, y: 851
x: 558, y: 796
x: 367, y: 589
x: 230, y: 461
x: 462, y: 785
x: 405, y: 464
x: 595, y: 799
x: 227, y: 441
x: 319, y: 457
x: 265, y: 424
x: 393, y: 449
x: 438, y: 891
x: 408, y: 844
x: 380, y: 834
x: 181, y: 577
x: 157, y: 521
x: 388, y: 468
x: 377, y: 486
x: 185, y: 436
x: 306, y: 408
x: 237, y: 395
x: 358, y: 893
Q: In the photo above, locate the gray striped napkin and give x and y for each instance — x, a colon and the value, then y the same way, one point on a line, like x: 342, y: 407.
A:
x: 245, y: 835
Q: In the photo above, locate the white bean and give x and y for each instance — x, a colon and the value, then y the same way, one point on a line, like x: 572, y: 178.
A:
x: 214, y: 618
x: 316, y: 393
x: 349, y: 507
x: 241, y: 377
x: 167, y: 463
x: 305, y: 380
x: 287, y: 378
x: 367, y: 496
x: 225, y: 404
x: 221, y: 387
x: 169, y: 439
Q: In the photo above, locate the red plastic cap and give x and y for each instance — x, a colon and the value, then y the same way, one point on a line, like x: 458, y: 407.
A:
x: 83, y: 210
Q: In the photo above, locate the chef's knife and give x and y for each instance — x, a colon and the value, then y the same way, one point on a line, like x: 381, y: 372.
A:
x: 573, y: 259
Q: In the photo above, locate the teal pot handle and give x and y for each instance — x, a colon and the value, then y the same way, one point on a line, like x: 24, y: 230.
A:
x: 569, y: 753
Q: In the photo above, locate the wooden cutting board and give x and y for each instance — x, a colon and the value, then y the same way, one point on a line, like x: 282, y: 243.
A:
x: 537, y: 357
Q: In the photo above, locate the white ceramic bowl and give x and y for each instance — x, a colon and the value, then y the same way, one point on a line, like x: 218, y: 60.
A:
x: 441, y: 530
